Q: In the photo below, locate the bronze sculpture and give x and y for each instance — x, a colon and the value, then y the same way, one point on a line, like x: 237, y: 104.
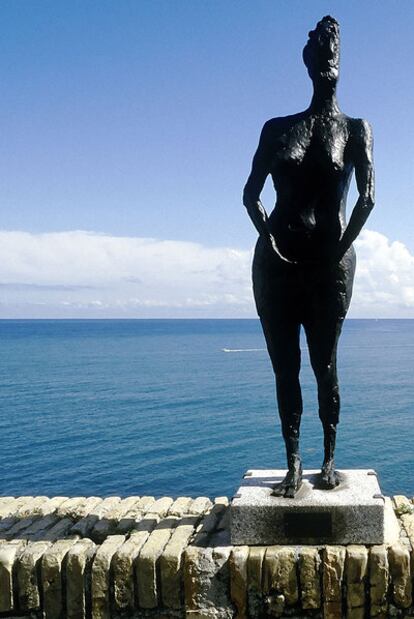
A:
x: 304, y: 262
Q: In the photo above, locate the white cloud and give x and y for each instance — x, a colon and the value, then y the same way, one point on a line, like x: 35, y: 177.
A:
x: 384, y: 285
x: 84, y: 274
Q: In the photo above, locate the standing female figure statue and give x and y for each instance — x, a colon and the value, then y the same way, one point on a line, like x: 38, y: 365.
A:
x: 304, y: 262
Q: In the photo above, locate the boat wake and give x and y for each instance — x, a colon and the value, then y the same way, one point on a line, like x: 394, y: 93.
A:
x: 243, y: 349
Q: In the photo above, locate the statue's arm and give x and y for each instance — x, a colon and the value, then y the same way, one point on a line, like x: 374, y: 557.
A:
x: 253, y: 189
x: 364, y: 176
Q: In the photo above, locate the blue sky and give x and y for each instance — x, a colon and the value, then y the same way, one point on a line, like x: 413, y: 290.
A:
x: 139, y: 119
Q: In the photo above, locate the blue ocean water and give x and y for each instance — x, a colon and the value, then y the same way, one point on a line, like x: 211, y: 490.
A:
x: 184, y: 407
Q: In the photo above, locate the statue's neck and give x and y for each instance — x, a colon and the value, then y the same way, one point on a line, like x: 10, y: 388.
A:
x: 324, y: 99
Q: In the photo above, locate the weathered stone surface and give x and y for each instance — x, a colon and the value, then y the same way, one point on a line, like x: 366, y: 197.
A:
x: 123, y: 564
x: 206, y: 582
x: 355, y: 613
x: 356, y: 570
x: 31, y: 507
x: 392, y: 526
x: 148, y: 559
x: 101, y: 576
x: 19, y: 528
x: 200, y: 505
x: 31, y: 517
x: 107, y: 525
x: 52, y: 580
x: 9, y: 509
x: 238, y: 579
x: 7, y: 506
x: 378, y: 577
x: 399, y: 562
x: 135, y: 514
x: 354, y: 513
x: 189, y: 553
x: 309, y: 562
x: 402, y: 504
x: 77, y: 507
x: 49, y: 506
x: 280, y: 573
x: 160, y: 507
x: 333, y: 564
x: 27, y: 575
x: 221, y: 535
x: 57, y: 531
x: 332, y: 610
x: 89, y: 513
x: 37, y: 529
x: 78, y: 567
x: 254, y: 579
x: 171, y: 561
x: 209, y: 523
x: 221, y: 500
x: 8, y: 554
x: 180, y: 506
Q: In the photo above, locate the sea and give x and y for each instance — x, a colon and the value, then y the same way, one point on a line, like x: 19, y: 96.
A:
x: 185, y: 407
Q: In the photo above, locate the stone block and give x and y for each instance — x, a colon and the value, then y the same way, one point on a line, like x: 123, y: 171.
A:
x: 400, y: 569
x: 28, y: 585
x: 57, y: 531
x: 107, y: 525
x: 280, y: 573
x: 37, y: 528
x: 77, y: 507
x: 333, y: 564
x: 356, y: 613
x: 171, y: 562
x: 309, y: 562
x: 9, y: 552
x: 7, y: 504
x: 207, y: 582
x: 135, y: 514
x: 255, y: 579
x: 333, y: 610
x: 378, y: 580
x: 160, y: 507
x: 31, y: 507
x: 78, y: 568
x: 238, y: 579
x: 356, y: 571
x: 123, y: 566
x: 200, y: 506
x: 392, y: 528
x: 209, y: 523
x: 88, y: 513
x: 100, y: 581
x: 180, y: 506
x: 52, y: 577
x: 147, y: 561
x: 402, y: 505
x: 353, y: 513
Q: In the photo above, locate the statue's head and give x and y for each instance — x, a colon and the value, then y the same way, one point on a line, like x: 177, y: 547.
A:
x: 321, y: 52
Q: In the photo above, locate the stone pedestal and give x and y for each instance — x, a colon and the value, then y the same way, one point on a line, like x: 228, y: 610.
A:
x: 352, y: 513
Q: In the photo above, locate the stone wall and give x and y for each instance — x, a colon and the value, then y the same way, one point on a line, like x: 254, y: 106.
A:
x: 163, y: 558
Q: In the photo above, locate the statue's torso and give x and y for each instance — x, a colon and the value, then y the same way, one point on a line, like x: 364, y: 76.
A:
x: 311, y: 163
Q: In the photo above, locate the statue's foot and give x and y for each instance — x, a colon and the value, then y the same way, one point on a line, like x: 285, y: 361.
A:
x: 289, y: 486
x: 329, y: 478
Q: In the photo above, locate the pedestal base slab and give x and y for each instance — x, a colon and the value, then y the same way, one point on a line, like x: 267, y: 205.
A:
x: 352, y: 513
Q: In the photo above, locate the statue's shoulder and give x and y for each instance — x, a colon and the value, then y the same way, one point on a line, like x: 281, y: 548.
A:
x: 280, y: 124
x: 360, y: 130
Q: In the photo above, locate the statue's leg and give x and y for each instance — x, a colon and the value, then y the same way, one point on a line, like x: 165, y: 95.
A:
x: 322, y: 339
x: 328, y: 299
x: 282, y: 339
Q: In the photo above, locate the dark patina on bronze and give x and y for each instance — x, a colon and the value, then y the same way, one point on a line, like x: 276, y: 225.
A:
x: 304, y: 262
